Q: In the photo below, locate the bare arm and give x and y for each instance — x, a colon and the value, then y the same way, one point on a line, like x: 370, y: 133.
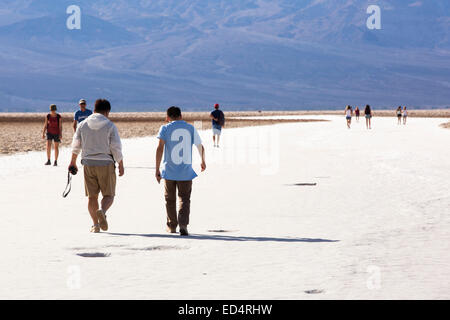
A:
x: 159, y: 154
x: 121, y: 168
x: 73, y: 161
x: 45, y: 128
x: 75, y: 125
x: 201, y: 151
x: 212, y: 117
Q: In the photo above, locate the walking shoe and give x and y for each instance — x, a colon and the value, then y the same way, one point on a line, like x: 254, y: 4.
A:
x: 95, y: 228
x: 48, y: 163
x: 55, y: 164
x: 102, y: 220
x: 171, y: 230
x: 183, y: 231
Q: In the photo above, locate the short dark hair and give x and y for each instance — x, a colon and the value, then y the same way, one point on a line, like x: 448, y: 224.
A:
x: 174, y: 112
x: 102, y: 105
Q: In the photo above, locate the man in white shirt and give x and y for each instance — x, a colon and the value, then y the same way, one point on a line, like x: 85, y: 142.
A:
x: 97, y: 138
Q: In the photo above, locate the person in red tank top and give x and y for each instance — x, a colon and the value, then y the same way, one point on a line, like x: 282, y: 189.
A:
x: 53, y: 131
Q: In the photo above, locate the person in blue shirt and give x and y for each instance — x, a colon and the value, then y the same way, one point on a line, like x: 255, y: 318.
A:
x: 175, y: 141
x: 218, y: 121
x: 81, y: 114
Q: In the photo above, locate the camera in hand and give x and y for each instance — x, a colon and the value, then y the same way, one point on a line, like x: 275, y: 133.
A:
x: 73, y: 170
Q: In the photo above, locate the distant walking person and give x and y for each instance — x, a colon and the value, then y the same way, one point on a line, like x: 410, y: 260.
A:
x: 357, y: 114
x: 368, y: 114
x: 175, y: 142
x: 98, y: 139
x: 405, y: 115
x: 53, y: 128
x: 348, y: 115
x: 218, y: 121
x: 399, y: 115
x: 81, y: 114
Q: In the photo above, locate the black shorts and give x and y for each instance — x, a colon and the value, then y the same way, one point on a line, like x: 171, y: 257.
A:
x: 54, y: 137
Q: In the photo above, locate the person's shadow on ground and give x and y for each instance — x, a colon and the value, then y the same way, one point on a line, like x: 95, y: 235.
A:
x: 220, y: 237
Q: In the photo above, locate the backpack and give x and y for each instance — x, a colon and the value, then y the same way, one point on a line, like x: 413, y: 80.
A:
x: 221, y: 119
x: 53, y: 126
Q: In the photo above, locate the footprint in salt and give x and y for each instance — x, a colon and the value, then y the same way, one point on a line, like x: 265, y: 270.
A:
x: 314, y: 291
x: 94, y: 254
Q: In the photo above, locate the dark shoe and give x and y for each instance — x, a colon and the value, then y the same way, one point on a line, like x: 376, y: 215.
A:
x: 55, y: 164
x: 48, y: 163
x: 183, y: 231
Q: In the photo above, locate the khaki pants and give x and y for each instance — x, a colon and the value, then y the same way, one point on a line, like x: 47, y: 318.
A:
x: 184, y: 195
x: 98, y: 179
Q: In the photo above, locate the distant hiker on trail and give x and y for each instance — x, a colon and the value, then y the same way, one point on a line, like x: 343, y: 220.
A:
x: 218, y: 122
x: 53, y: 128
x: 357, y: 114
x: 81, y: 114
x: 175, y: 142
x: 98, y: 139
x: 399, y: 115
x: 348, y: 115
x: 405, y: 115
x: 368, y: 114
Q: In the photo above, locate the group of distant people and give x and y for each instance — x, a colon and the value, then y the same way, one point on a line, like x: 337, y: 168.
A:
x: 97, y: 139
x: 401, y: 114
x: 367, y: 114
x: 53, y: 128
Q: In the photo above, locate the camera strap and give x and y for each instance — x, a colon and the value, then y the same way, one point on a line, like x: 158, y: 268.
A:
x: 68, y: 186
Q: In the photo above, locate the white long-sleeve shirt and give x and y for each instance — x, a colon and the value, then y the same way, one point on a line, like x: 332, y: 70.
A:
x: 97, y: 138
